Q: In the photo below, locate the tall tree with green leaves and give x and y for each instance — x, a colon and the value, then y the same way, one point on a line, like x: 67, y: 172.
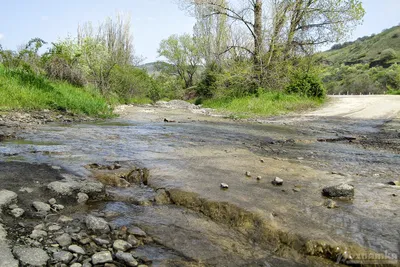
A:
x: 183, y: 55
x: 211, y: 33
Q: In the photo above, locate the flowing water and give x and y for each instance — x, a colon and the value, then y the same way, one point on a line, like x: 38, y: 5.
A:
x: 253, y: 223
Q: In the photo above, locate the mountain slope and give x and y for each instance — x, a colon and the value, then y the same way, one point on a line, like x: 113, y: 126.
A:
x: 382, y: 49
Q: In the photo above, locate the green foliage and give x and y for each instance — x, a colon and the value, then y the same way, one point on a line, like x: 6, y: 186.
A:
x: 360, y: 79
x: 129, y: 82
x: 366, y: 49
x: 266, y: 104
x: 183, y: 55
x: 388, y: 54
x: 208, y: 83
x: 30, y: 91
x: 306, y: 84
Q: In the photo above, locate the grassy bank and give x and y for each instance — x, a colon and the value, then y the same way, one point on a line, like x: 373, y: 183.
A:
x: 267, y: 104
x: 21, y: 90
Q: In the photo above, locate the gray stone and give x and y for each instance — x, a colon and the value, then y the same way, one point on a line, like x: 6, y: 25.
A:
x: 82, y: 198
x: 18, y: 212
x: 330, y: 204
x: 76, y: 249
x: 31, y: 256
x: 224, y: 186
x: 102, y: 257
x: 342, y: 190
x: 258, y: 178
x: 92, y: 188
x: 65, y: 219
x: 133, y: 230
x: 100, y: 241
x: 64, y: 240
x: 162, y: 197
x: 126, y: 258
x: 62, y: 188
x: 26, y: 190
x: 97, y: 224
x: 13, y: 206
x: 40, y: 226
x: 52, y: 201
x: 54, y: 227
x: 248, y: 174
x: 277, y: 181
x: 76, y: 264
x: 58, y: 207
x: 6, y: 257
x: 121, y: 245
x: 41, y: 206
x: 132, y: 240
x: 37, y: 234
x: 63, y: 256
x: 6, y: 198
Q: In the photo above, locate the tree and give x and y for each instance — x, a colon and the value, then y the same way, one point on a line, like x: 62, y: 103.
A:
x: 316, y: 22
x: 249, y: 15
x: 211, y: 34
x: 105, y: 46
x: 183, y: 56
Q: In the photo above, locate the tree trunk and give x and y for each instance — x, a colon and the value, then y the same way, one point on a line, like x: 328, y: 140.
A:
x: 258, y: 38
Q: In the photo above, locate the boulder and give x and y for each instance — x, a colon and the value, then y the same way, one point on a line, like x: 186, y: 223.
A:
x: 76, y: 249
x: 64, y: 240
x: 63, y: 256
x: 31, y: 256
x: 96, y: 224
x: 341, y: 190
x: 41, y: 206
x: 277, y: 181
x: 121, y: 245
x: 126, y: 258
x: 82, y: 198
x: 6, y: 198
x: 102, y: 257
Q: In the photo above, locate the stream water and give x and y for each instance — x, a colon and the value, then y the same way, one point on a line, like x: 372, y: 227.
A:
x: 196, y: 156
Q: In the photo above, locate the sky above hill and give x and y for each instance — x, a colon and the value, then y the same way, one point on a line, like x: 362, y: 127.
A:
x: 152, y: 20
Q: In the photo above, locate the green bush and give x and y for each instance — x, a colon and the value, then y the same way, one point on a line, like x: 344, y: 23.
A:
x: 58, y: 69
x: 388, y: 54
x: 208, y: 83
x: 130, y: 82
x: 306, y: 84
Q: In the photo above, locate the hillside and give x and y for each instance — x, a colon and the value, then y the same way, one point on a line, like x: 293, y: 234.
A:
x: 382, y: 49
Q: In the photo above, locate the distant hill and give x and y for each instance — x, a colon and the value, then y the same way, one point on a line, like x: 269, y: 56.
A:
x: 381, y: 49
x: 154, y: 67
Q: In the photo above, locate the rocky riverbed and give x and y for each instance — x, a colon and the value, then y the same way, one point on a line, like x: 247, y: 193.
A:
x: 298, y: 191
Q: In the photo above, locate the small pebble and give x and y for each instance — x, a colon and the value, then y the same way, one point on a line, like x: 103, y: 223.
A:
x: 224, y: 186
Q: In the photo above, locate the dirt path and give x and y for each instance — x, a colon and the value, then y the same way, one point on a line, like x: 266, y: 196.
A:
x: 360, y: 107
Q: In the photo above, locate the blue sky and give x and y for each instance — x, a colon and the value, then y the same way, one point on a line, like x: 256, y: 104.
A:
x: 152, y: 20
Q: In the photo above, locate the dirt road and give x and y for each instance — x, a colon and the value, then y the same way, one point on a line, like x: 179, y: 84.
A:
x: 360, y: 107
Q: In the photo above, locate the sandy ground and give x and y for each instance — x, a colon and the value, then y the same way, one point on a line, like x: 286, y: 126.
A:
x: 360, y: 107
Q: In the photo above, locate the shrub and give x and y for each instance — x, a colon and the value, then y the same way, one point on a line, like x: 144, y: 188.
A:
x: 58, y: 68
x: 306, y: 84
x: 388, y: 54
x: 208, y: 83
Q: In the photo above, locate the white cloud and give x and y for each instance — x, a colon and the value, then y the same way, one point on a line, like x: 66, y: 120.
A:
x: 1, y: 36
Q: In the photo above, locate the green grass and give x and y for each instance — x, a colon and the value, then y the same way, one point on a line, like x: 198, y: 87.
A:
x: 368, y: 50
x: 394, y: 92
x: 20, y: 90
x: 267, y: 104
